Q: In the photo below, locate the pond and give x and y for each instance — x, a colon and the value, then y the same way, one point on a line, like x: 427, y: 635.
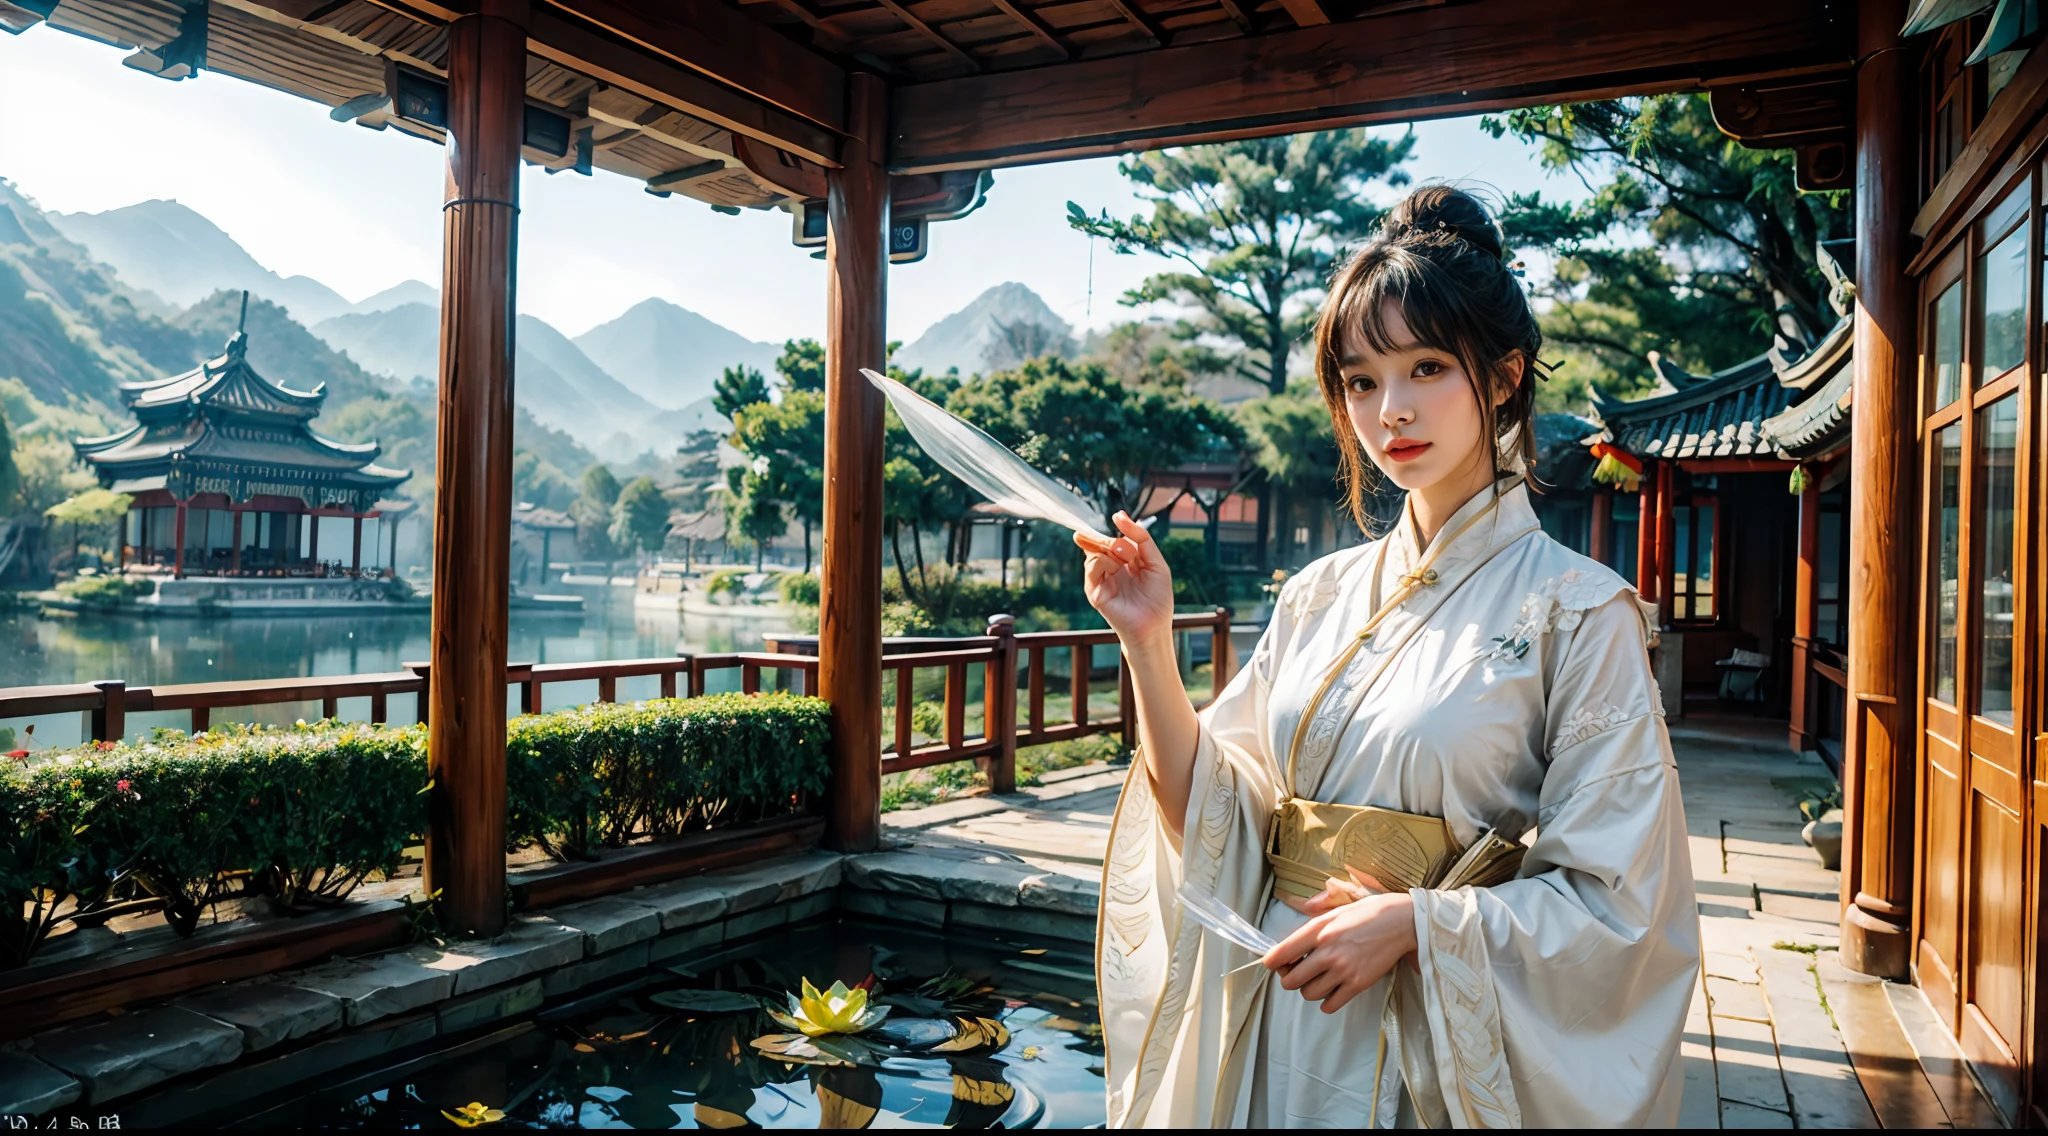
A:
x: 981, y: 1033
x: 143, y: 651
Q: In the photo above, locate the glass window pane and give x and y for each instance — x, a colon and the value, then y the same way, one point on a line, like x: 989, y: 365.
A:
x: 1947, y: 524
x: 1948, y: 345
x: 2002, y: 305
x: 1703, y: 553
x: 1681, y: 559
x: 1998, y: 435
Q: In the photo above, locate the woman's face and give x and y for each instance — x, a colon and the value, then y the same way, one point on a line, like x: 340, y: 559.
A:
x: 1413, y: 409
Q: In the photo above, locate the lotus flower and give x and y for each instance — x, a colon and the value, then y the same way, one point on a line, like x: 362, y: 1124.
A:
x: 474, y: 1115
x: 838, y: 1010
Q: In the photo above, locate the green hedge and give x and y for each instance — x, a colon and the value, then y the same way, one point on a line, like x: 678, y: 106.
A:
x: 303, y: 815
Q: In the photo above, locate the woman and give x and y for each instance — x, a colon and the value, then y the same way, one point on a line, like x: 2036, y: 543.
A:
x: 1463, y: 667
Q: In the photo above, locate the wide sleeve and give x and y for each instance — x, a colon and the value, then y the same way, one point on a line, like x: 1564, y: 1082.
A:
x: 1167, y: 1010
x: 1558, y: 999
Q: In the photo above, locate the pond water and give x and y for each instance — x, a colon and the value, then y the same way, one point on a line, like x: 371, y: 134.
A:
x: 637, y: 1059
x: 37, y: 651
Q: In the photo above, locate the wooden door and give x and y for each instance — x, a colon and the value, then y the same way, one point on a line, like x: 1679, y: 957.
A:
x: 1973, y: 957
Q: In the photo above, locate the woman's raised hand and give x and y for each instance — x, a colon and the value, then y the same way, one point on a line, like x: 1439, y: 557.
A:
x: 1127, y: 581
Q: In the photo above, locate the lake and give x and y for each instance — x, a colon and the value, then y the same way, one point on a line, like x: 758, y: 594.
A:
x: 35, y: 651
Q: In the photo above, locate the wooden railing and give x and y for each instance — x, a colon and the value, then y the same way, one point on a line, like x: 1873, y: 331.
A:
x: 1009, y: 663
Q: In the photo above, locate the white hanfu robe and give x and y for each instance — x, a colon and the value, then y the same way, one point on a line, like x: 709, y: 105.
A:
x: 1513, y: 693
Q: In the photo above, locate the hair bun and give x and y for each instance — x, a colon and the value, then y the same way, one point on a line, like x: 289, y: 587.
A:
x: 1444, y: 209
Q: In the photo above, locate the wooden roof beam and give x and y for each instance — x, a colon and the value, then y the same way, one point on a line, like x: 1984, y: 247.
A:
x: 1238, y: 15
x: 1306, y: 13
x: 911, y: 20
x: 1137, y: 18
x: 1422, y: 63
x: 1037, y: 26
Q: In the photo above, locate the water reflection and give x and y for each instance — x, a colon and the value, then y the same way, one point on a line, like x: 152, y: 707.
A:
x: 637, y: 1061
x: 35, y: 651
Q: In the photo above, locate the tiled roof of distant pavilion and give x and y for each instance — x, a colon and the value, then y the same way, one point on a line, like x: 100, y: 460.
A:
x: 223, y: 428
x: 1772, y: 406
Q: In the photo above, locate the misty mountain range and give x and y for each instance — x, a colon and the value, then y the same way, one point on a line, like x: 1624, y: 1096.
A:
x: 636, y: 383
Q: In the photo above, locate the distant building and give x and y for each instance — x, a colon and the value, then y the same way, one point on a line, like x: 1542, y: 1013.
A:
x: 229, y: 479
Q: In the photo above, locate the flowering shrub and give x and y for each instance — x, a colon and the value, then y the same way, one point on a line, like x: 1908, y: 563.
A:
x: 303, y: 815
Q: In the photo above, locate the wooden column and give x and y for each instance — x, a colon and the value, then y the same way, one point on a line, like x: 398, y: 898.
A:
x: 235, y: 555
x: 355, y: 554
x: 1805, y: 579
x: 849, y: 613
x: 178, y: 554
x: 1646, y: 533
x: 1667, y: 541
x: 465, y: 849
x: 1600, y: 525
x: 1877, y: 766
x: 313, y: 537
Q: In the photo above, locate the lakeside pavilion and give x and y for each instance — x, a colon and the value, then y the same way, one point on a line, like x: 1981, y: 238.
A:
x: 229, y: 479
x: 855, y: 115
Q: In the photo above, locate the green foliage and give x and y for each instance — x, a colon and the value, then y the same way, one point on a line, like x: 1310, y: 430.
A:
x: 1258, y: 224
x: 1731, y: 257
x: 304, y: 815
x: 640, y: 516
x: 726, y: 582
x: 92, y: 507
x: 738, y: 388
x: 10, y: 477
x: 1034, y: 762
x: 800, y: 588
x: 599, y: 486
x: 602, y: 775
x: 920, y: 787
x: 802, y: 365
x: 537, y: 481
x: 1195, y: 579
x: 108, y: 591
x: 786, y: 474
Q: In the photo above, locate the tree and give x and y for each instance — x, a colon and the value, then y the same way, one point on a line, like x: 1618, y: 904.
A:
x: 640, y: 516
x: 537, y: 481
x: 802, y: 364
x: 10, y: 478
x: 91, y: 508
x: 738, y: 388
x: 1258, y: 224
x: 786, y: 441
x: 1732, y: 257
x: 592, y: 513
x: 1296, y: 449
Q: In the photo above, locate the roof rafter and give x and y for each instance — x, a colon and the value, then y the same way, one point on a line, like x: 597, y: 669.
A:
x: 1037, y: 25
x: 933, y: 34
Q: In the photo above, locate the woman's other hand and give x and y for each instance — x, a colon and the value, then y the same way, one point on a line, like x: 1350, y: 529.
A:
x: 1341, y: 953
x: 1127, y: 580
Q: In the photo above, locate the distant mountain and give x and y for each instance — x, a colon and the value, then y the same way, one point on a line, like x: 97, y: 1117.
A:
x: 552, y: 378
x: 173, y: 252
x: 668, y: 355
x: 964, y: 339
x: 410, y: 292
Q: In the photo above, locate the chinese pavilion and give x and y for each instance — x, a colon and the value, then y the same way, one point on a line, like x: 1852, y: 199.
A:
x: 228, y: 476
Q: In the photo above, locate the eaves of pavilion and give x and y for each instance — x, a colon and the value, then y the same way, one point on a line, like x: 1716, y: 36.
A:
x: 860, y: 107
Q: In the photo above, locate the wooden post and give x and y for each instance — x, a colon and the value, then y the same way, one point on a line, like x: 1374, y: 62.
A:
x: 999, y: 703
x: 313, y: 537
x: 1600, y: 525
x: 1877, y: 767
x: 235, y: 556
x: 465, y: 848
x: 1667, y: 542
x: 1222, y: 654
x: 110, y: 721
x: 355, y: 554
x: 849, y: 612
x: 1805, y: 580
x: 178, y: 554
x: 1646, y: 535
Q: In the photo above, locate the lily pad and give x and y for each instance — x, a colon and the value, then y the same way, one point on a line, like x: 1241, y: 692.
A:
x: 706, y: 1001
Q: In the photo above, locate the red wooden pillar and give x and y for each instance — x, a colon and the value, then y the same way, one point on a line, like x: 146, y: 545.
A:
x: 1667, y: 541
x: 1646, y: 533
x: 465, y: 848
x: 355, y: 556
x: 313, y: 537
x: 235, y: 555
x: 178, y: 554
x: 1805, y: 580
x: 849, y: 614
x: 1877, y: 766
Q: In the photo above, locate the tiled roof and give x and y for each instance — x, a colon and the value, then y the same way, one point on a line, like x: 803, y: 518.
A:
x: 1724, y: 414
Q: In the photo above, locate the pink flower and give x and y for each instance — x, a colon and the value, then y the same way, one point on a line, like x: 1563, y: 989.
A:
x: 121, y: 785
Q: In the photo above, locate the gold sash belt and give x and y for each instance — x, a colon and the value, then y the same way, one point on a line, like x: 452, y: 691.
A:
x: 1311, y: 842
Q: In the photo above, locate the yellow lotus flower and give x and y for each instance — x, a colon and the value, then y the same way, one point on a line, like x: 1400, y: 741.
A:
x: 474, y: 1115
x: 838, y: 1010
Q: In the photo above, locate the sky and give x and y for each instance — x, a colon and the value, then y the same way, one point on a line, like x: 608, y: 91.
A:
x: 359, y: 211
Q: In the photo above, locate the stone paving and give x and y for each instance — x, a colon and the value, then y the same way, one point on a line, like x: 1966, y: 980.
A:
x: 1763, y: 1047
